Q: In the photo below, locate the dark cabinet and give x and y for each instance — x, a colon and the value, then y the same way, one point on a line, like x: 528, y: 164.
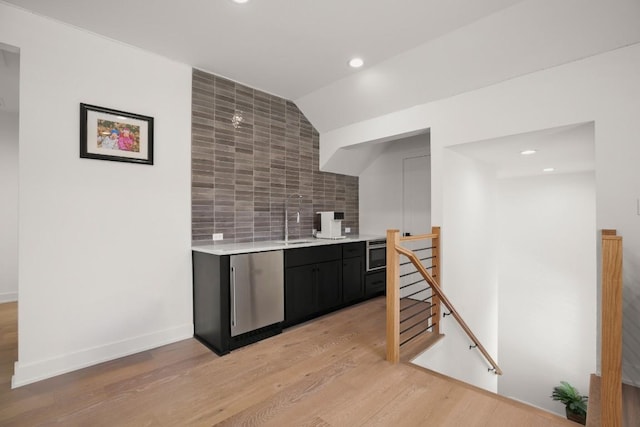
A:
x: 299, y: 293
x: 353, y: 271
x: 329, y: 285
x: 375, y: 283
x: 317, y: 280
x: 313, y: 282
x: 352, y: 250
x: 352, y: 279
x: 210, y: 301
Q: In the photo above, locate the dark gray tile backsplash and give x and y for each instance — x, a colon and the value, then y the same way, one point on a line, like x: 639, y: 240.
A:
x: 240, y: 176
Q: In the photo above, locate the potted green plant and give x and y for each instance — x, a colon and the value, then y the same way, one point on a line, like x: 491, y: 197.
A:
x: 575, y: 403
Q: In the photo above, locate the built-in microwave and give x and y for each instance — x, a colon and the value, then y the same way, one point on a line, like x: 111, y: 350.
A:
x: 376, y: 254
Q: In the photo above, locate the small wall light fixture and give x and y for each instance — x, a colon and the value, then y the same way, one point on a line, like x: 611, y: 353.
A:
x: 237, y: 119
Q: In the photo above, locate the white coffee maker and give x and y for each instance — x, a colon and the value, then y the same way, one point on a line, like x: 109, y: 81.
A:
x: 330, y: 225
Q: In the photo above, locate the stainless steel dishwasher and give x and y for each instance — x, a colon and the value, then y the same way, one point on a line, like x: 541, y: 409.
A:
x: 257, y: 291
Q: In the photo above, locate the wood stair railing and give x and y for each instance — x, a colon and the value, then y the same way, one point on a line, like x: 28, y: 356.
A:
x: 393, y: 294
x: 413, y: 309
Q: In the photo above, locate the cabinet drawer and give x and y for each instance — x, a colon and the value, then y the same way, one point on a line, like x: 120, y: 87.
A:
x: 311, y: 255
x: 351, y: 250
x: 375, y: 282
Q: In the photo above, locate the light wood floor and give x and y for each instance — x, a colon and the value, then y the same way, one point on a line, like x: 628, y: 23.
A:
x: 328, y: 372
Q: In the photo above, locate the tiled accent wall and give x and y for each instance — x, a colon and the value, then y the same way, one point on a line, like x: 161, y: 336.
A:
x: 241, y: 176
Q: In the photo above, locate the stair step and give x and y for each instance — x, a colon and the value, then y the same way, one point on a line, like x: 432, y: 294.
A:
x: 418, y: 345
x: 630, y: 404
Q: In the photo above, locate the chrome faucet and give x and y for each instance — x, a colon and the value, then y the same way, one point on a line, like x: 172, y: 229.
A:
x: 286, y: 215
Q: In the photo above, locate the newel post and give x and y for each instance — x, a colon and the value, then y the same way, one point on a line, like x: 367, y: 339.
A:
x: 611, y: 359
x: 393, y: 297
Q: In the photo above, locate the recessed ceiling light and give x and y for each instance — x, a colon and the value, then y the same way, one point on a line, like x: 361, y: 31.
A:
x: 356, y: 63
x: 240, y: 1
x: 528, y: 152
x: 548, y: 170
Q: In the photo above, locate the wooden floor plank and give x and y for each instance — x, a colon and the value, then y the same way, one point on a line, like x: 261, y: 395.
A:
x: 327, y: 372
x: 366, y: 392
x: 473, y: 410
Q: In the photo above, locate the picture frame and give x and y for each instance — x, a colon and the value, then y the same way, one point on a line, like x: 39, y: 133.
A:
x: 107, y: 134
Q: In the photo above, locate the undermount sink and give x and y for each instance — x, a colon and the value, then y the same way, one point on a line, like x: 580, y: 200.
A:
x: 294, y: 242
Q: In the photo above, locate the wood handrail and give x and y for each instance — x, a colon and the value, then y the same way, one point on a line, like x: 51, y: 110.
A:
x: 419, y: 237
x: 443, y: 298
x: 611, y: 343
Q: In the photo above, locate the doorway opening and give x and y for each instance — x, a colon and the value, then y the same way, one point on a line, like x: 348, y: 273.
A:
x: 525, y: 206
x: 9, y: 105
x: 416, y: 195
x: 395, y: 186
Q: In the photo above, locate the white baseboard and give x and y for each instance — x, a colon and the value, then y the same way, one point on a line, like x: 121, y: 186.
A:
x: 8, y: 297
x: 32, y: 372
x: 560, y: 414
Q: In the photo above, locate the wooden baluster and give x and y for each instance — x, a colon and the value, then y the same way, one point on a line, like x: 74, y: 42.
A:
x: 393, y: 296
x: 435, y: 271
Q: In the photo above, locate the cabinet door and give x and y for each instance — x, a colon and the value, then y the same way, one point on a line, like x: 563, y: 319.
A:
x: 352, y: 279
x: 376, y: 283
x: 300, y: 295
x: 329, y: 284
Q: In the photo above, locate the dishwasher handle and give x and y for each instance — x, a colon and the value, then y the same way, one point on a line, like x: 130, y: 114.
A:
x: 233, y: 296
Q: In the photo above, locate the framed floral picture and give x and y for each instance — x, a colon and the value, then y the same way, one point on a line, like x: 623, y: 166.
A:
x: 107, y: 134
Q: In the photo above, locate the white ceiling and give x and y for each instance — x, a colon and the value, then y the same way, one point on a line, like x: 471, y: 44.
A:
x: 567, y: 149
x: 527, y: 37
x: 286, y: 47
x: 416, y: 51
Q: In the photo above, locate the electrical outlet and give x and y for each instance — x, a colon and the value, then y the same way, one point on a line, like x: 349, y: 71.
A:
x: 216, y: 236
x: 347, y: 230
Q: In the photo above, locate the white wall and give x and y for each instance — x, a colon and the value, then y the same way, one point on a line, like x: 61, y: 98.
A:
x: 9, y: 206
x: 547, y: 285
x: 604, y: 89
x: 104, y: 247
x: 380, y: 185
x: 469, y: 278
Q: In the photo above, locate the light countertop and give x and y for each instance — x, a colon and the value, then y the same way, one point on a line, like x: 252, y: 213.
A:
x: 222, y: 248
